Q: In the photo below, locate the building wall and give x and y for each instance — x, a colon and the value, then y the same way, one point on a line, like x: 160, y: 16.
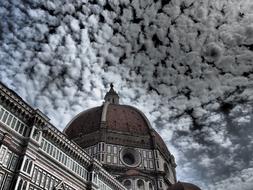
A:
x: 160, y: 171
x: 36, y: 155
x: 32, y: 166
x: 110, y: 154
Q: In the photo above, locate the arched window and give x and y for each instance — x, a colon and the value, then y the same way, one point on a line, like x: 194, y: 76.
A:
x: 20, y: 183
x: 29, y: 167
x: 140, y: 184
x: 150, y: 186
x: 95, y: 178
x: 160, y: 184
x: 25, y: 166
x: 127, y: 184
x: 166, y: 170
x: 24, y: 186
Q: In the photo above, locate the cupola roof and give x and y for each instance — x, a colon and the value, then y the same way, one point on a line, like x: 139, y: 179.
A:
x: 112, y: 96
x: 123, y: 125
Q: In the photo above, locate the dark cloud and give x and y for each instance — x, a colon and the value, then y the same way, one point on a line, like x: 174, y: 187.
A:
x: 187, y: 64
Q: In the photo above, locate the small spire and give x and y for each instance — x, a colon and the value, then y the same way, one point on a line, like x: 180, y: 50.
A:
x: 112, y: 96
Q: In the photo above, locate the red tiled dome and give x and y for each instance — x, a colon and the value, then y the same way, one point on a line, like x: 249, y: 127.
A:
x: 84, y: 123
x: 117, y: 118
x: 126, y: 119
x: 183, y: 186
x: 115, y: 124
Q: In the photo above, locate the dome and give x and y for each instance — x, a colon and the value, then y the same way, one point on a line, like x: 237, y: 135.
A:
x: 121, y: 138
x: 115, y: 118
x: 116, y: 124
x: 121, y: 118
x: 183, y: 186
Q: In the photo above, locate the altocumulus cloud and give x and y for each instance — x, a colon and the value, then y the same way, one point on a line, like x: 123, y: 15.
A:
x: 187, y: 64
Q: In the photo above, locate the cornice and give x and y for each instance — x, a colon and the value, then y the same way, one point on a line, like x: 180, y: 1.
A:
x: 14, y: 99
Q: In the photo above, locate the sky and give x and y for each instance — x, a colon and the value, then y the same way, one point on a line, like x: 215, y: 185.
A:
x: 187, y: 64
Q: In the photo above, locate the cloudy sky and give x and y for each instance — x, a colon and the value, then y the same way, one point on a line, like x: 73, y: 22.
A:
x: 188, y: 64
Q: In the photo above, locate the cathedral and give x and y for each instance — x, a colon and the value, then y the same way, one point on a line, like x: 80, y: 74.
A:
x: 109, y: 147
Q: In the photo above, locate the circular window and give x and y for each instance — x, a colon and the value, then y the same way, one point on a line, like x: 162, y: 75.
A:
x: 140, y: 184
x: 130, y: 157
x: 127, y: 184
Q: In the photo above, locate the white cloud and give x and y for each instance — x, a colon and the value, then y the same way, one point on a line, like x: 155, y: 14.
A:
x: 191, y: 53
x: 241, y: 180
